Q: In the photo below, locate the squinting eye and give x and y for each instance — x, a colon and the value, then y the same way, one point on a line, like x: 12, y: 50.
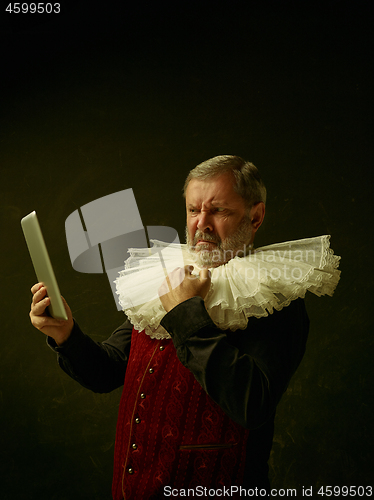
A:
x: 219, y: 209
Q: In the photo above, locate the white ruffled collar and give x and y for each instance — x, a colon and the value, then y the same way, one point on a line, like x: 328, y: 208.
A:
x: 267, y: 279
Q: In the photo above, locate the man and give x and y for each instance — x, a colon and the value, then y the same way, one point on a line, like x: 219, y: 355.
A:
x: 198, y: 409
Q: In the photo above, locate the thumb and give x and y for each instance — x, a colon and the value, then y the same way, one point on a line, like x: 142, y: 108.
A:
x: 205, y: 274
x: 205, y: 279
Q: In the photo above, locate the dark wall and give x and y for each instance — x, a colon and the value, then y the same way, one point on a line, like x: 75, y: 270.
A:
x: 95, y: 101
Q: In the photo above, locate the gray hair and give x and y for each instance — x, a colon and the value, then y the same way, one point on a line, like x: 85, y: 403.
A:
x: 247, y: 181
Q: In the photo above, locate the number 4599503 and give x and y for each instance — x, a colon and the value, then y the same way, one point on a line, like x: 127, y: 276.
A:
x: 33, y: 8
x: 345, y: 491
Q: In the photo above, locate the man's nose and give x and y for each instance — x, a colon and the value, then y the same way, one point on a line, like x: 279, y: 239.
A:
x: 205, y: 221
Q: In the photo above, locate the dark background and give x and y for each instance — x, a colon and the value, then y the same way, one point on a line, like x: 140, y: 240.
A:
x: 101, y: 98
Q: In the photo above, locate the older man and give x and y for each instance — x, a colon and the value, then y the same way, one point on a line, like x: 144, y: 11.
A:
x: 197, y: 410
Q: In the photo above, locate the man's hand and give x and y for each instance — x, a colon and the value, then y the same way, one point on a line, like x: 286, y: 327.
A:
x: 58, y: 329
x: 181, y: 285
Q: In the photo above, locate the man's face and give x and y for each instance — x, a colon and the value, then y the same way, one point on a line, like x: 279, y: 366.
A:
x: 217, y: 225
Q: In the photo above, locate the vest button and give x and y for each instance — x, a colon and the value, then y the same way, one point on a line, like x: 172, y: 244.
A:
x: 151, y: 370
x: 142, y: 395
x: 130, y: 470
x: 134, y: 446
x: 137, y: 420
x: 162, y: 347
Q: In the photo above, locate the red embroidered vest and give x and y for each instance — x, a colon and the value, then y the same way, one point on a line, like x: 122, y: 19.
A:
x: 169, y: 431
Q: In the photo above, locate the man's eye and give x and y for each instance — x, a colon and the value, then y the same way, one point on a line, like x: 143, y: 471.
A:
x: 219, y: 209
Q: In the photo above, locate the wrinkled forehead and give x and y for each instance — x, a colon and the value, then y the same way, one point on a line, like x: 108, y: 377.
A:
x: 215, y: 191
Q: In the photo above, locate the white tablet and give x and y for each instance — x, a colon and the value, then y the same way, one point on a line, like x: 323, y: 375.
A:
x: 42, y: 264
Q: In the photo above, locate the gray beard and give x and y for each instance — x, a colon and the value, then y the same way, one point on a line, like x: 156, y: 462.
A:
x: 228, y: 248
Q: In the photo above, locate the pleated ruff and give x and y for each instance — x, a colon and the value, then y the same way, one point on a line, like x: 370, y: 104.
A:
x: 267, y: 279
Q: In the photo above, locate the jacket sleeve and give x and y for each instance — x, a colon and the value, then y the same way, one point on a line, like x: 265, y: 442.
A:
x: 98, y: 366
x: 247, y: 371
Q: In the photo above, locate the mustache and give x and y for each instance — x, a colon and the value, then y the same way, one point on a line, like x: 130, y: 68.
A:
x: 200, y: 235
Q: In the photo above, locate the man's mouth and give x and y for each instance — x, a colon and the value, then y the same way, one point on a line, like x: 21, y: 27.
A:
x: 205, y: 242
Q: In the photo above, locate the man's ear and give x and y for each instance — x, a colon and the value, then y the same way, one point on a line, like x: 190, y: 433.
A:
x: 257, y: 214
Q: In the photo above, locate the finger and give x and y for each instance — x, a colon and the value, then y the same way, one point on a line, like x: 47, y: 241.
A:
x: 36, y: 287
x: 205, y: 274
x: 68, y: 311
x: 205, y: 280
x: 39, y: 295
x: 188, y: 272
x: 66, y: 305
x: 38, y: 308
